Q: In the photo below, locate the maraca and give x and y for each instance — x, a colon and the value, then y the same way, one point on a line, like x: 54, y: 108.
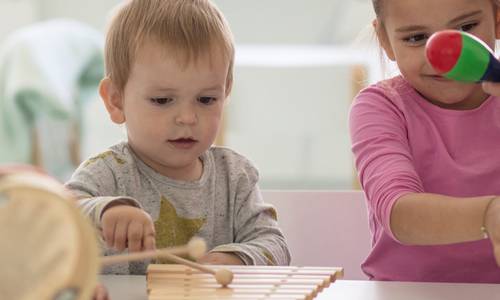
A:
x: 460, y: 56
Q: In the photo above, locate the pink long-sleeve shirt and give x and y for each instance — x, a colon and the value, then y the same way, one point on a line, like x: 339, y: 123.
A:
x: 404, y: 144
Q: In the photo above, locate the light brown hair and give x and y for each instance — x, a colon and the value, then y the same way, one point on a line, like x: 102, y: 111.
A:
x: 193, y: 28
x: 377, y: 6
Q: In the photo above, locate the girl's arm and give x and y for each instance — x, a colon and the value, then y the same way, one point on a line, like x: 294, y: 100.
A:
x: 492, y: 225
x: 431, y: 219
x: 396, y: 196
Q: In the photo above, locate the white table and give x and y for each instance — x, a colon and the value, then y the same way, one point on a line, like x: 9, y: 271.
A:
x: 134, y: 288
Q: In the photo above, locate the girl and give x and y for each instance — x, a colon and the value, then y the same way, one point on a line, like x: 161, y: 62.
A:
x: 426, y: 150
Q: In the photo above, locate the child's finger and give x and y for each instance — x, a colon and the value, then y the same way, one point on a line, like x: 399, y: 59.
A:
x: 134, y: 235
x: 108, y: 231
x: 495, y: 240
x: 496, y: 252
x: 491, y: 88
x: 120, y: 237
x: 149, y: 240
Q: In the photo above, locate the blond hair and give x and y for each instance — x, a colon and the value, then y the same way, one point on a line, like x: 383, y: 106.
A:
x: 191, y: 27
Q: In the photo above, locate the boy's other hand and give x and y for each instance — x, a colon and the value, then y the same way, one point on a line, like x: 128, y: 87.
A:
x: 100, y: 293
x: 129, y: 227
x: 220, y: 258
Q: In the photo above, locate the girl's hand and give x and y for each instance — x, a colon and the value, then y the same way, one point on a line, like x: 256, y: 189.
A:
x: 492, y: 224
x: 220, y: 258
x: 129, y: 227
x: 100, y: 292
x: 492, y: 88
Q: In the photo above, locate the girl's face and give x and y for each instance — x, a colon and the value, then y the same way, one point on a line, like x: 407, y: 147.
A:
x: 405, y: 26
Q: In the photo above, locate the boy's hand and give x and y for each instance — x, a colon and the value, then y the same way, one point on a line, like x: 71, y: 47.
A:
x: 100, y: 293
x: 220, y: 258
x: 129, y: 227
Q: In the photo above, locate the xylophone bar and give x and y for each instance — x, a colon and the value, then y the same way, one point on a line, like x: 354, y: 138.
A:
x: 174, y: 267
x: 234, y: 297
x: 228, y: 292
x: 253, y: 284
x: 309, y: 291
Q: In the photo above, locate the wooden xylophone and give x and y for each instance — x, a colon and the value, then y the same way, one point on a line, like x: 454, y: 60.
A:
x: 50, y: 251
x: 179, y: 282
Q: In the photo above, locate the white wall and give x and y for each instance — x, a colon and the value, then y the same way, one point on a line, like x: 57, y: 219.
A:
x: 290, y: 120
x: 253, y: 21
x: 17, y: 13
x: 296, y: 21
x: 93, y: 12
x: 327, y: 228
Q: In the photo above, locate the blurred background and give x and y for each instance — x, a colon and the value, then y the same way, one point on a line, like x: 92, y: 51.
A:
x: 298, y: 66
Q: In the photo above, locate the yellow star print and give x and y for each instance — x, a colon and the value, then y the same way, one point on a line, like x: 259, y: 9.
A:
x: 269, y: 257
x: 272, y: 212
x: 173, y: 230
x: 103, y: 156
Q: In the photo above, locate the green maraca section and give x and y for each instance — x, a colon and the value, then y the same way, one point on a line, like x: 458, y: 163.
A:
x: 472, y: 63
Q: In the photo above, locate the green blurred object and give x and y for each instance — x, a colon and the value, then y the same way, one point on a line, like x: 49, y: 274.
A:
x: 48, y: 72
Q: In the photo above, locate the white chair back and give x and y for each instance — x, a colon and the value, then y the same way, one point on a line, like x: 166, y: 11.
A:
x: 324, y: 228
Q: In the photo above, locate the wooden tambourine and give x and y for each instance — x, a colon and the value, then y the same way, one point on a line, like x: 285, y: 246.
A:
x: 48, y: 249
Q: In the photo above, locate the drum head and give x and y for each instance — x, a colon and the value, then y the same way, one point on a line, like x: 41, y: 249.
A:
x: 49, y: 250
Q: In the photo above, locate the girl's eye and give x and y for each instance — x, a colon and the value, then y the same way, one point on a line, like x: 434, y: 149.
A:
x: 416, y: 39
x: 467, y: 27
x: 207, y: 100
x: 161, y: 100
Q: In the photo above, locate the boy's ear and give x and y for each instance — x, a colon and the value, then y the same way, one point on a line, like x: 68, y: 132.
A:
x: 383, y: 39
x: 113, y: 100
x: 229, y: 87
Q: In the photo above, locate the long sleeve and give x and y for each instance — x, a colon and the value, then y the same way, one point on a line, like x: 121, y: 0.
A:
x: 257, y: 239
x: 383, y: 157
x: 95, y: 186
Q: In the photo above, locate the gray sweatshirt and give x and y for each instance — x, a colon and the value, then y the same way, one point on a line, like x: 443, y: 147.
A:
x: 224, y: 206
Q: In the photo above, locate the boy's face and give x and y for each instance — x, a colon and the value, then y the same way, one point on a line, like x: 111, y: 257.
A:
x: 172, y: 112
x: 409, y: 23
